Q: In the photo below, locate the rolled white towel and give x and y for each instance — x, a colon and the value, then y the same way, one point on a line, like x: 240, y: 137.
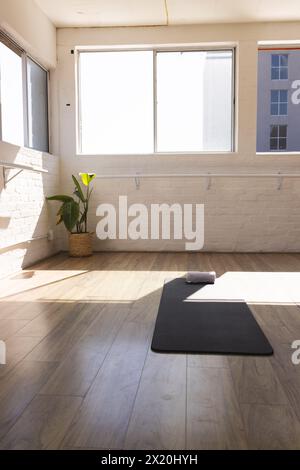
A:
x: 197, y: 277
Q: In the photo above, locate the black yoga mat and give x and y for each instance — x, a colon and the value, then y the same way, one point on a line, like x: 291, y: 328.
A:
x: 205, y: 327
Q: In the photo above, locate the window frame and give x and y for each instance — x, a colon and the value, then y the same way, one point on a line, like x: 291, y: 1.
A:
x: 155, y: 50
x: 278, y: 137
x: 25, y: 74
x: 14, y: 47
x: 280, y: 67
x: 278, y: 103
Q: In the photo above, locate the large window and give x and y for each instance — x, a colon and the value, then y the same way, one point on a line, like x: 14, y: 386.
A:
x: 23, y: 98
x: 155, y: 101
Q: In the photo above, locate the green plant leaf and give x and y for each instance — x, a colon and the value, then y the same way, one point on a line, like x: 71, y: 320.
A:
x: 70, y: 214
x: 90, y: 193
x: 59, y: 212
x: 87, y: 178
x: 78, y: 191
x: 61, y: 198
x: 82, y: 218
x: 59, y: 219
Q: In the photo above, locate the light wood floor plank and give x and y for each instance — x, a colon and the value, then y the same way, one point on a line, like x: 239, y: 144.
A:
x: 22, y: 310
x: 76, y: 373
x: 46, y: 321
x: 213, y: 412
x: 103, y: 418
x: 55, y: 346
x: 207, y: 360
x: 18, y: 388
x: 281, y: 323
x: 10, y: 326
x: 16, y: 350
x: 255, y: 381
x: 271, y: 427
x: 42, y: 425
x: 158, y: 418
x: 288, y: 374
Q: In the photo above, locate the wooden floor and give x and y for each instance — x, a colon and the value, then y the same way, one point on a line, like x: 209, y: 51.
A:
x: 80, y: 373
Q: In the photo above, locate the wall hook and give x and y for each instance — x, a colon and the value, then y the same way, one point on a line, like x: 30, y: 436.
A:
x: 279, y: 181
x: 137, y: 182
x: 208, y: 182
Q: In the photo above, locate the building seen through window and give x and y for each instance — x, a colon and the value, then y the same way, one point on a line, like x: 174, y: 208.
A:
x: 278, y: 100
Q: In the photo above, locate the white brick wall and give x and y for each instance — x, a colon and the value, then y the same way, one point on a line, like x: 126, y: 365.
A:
x: 240, y: 214
x: 24, y: 213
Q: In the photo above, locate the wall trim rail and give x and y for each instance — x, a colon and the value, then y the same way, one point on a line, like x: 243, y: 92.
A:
x: 208, y: 175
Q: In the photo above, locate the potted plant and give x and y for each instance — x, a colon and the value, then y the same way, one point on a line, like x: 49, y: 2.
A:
x: 74, y: 214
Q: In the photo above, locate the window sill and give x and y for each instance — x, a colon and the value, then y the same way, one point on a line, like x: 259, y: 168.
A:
x: 26, y: 149
x: 276, y: 154
x: 156, y: 154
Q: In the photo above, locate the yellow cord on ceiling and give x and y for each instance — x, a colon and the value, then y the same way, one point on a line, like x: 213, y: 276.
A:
x: 167, y: 12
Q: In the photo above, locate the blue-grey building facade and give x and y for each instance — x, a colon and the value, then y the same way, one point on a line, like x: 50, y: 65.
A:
x: 278, y: 100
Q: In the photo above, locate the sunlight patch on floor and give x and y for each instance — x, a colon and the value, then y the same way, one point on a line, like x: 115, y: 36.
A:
x: 253, y: 287
x: 32, y: 279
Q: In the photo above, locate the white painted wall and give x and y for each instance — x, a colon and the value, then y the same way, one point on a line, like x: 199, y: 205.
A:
x: 29, y: 26
x: 241, y: 215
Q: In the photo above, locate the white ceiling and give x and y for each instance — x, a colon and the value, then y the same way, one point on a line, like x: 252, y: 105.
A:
x: 68, y: 13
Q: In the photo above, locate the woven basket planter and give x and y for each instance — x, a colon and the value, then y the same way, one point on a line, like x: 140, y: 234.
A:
x: 80, y: 244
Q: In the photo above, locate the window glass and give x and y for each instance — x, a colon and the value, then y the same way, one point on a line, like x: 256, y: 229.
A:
x: 279, y: 66
x: 278, y: 137
x: 116, y: 102
x: 11, y: 96
x: 37, y: 95
x: 194, y: 101
x: 279, y: 102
